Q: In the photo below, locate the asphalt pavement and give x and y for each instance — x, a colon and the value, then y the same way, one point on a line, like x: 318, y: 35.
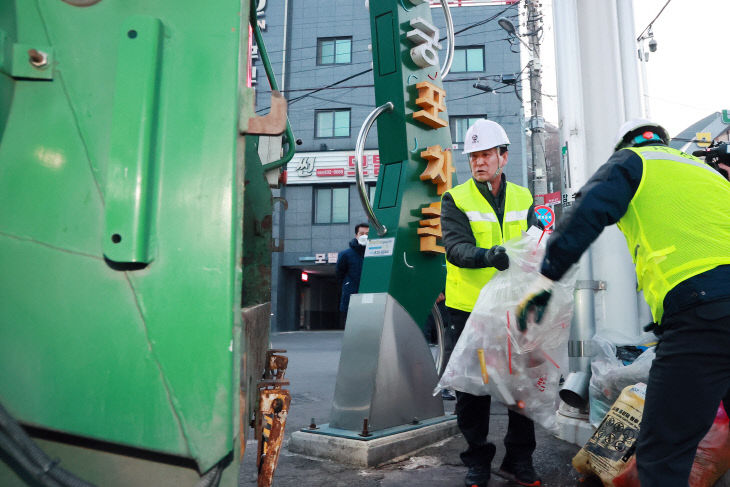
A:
x: 313, y: 360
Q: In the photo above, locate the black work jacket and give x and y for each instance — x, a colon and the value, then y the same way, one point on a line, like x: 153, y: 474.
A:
x: 457, y: 237
x: 603, y: 201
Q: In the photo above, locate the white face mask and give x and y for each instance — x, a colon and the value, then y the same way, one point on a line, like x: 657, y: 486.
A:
x: 362, y: 240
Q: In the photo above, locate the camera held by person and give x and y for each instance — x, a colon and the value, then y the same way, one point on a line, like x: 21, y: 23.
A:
x: 717, y: 155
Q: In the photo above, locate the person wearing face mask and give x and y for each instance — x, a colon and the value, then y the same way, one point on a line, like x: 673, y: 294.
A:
x: 477, y: 217
x: 349, y: 268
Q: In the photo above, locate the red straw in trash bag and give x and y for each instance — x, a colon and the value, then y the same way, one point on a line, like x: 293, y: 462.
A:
x: 509, y: 347
x: 550, y: 359
x: 544, y: 230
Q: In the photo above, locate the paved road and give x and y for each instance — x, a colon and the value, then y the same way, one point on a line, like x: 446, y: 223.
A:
x: 313, y: 359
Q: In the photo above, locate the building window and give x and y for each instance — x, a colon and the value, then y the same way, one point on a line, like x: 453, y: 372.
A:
x: 334, y: 50
x: 332, y: 123
x: 468, y: 59
x: 460, y: 126
x: 331, y: 205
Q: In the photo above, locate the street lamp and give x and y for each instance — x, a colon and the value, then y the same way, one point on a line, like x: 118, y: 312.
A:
x: 508, y: 26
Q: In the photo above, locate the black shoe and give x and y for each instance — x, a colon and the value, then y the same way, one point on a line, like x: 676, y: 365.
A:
x: 446, y: 395
x: 477, y: 476
x: 520, y: 471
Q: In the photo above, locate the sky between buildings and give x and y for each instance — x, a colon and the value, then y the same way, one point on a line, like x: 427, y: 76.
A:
x: 688, y: 76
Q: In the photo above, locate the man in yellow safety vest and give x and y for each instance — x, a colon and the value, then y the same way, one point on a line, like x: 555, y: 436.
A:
x: 673, y: 210
x: 477, y: 217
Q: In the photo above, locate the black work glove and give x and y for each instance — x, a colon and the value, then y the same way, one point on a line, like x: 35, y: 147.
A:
x: 497, y: 257
x: 535, y: 302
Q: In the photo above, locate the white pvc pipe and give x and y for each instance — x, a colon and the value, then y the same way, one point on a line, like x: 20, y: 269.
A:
x: 632, y: 98
x: 570, y: 94
x: 572, y: 137
x: 616, y: 310
x: 629, y: 68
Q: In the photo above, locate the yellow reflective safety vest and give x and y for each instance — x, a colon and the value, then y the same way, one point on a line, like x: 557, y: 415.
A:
x: 463, y: 284
x: 671, y: 240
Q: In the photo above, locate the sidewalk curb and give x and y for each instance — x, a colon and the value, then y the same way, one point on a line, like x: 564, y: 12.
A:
x: 370, y: 453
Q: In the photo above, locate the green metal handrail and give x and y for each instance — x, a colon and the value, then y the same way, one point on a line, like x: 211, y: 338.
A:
x: 272, y: 83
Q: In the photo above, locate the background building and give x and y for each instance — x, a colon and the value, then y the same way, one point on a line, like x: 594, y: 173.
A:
x: 714, y: 127
x: 320, y: 53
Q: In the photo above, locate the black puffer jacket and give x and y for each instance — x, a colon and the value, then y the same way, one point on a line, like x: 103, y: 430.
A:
x: 349, y: 268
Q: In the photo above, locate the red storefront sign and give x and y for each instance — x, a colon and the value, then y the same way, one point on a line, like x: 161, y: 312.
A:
x: 551, y: 198
x: 376, y: 165
x: 329, y: 167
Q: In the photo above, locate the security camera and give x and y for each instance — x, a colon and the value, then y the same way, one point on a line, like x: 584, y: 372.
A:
x: 652, y: 45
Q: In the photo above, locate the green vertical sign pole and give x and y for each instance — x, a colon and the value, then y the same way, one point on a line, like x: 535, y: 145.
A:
x: 412, y: 277
x: 386, y: 373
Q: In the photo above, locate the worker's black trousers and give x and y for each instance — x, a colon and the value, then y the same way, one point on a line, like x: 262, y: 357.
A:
x: 689, y: 377
x: 472, y: 416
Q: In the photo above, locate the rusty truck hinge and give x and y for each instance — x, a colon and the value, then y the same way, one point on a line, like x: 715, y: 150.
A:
x: 271, y: 416
x: 274, y: 122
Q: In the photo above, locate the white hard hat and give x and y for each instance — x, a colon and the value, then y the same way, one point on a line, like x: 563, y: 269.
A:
x: 483, y: 135
x: 634, y: 128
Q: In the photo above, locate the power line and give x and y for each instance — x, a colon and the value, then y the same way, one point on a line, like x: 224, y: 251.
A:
x: 370, y: 105
x: 494, y: 77
x: 370, y: 85
x: 299, y: 24
x: 332, y: 85
x: 356, y: 51
x: 325, y: 66
x: 320, y: 67
x: 486, y: 20
x: 652, y: 22
x: 369, y: 61
x: 350, y: 103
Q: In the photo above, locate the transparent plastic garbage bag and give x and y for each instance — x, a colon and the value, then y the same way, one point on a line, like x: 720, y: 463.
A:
x: 521, y: 370
x: 609, y: 376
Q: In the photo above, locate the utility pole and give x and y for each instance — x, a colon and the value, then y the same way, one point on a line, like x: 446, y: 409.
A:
x: 537, y: 122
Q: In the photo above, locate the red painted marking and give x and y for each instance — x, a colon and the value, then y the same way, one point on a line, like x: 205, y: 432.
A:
x: 434, y: 76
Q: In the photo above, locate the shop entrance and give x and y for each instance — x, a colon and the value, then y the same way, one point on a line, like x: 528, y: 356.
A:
x: 319, y: 300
